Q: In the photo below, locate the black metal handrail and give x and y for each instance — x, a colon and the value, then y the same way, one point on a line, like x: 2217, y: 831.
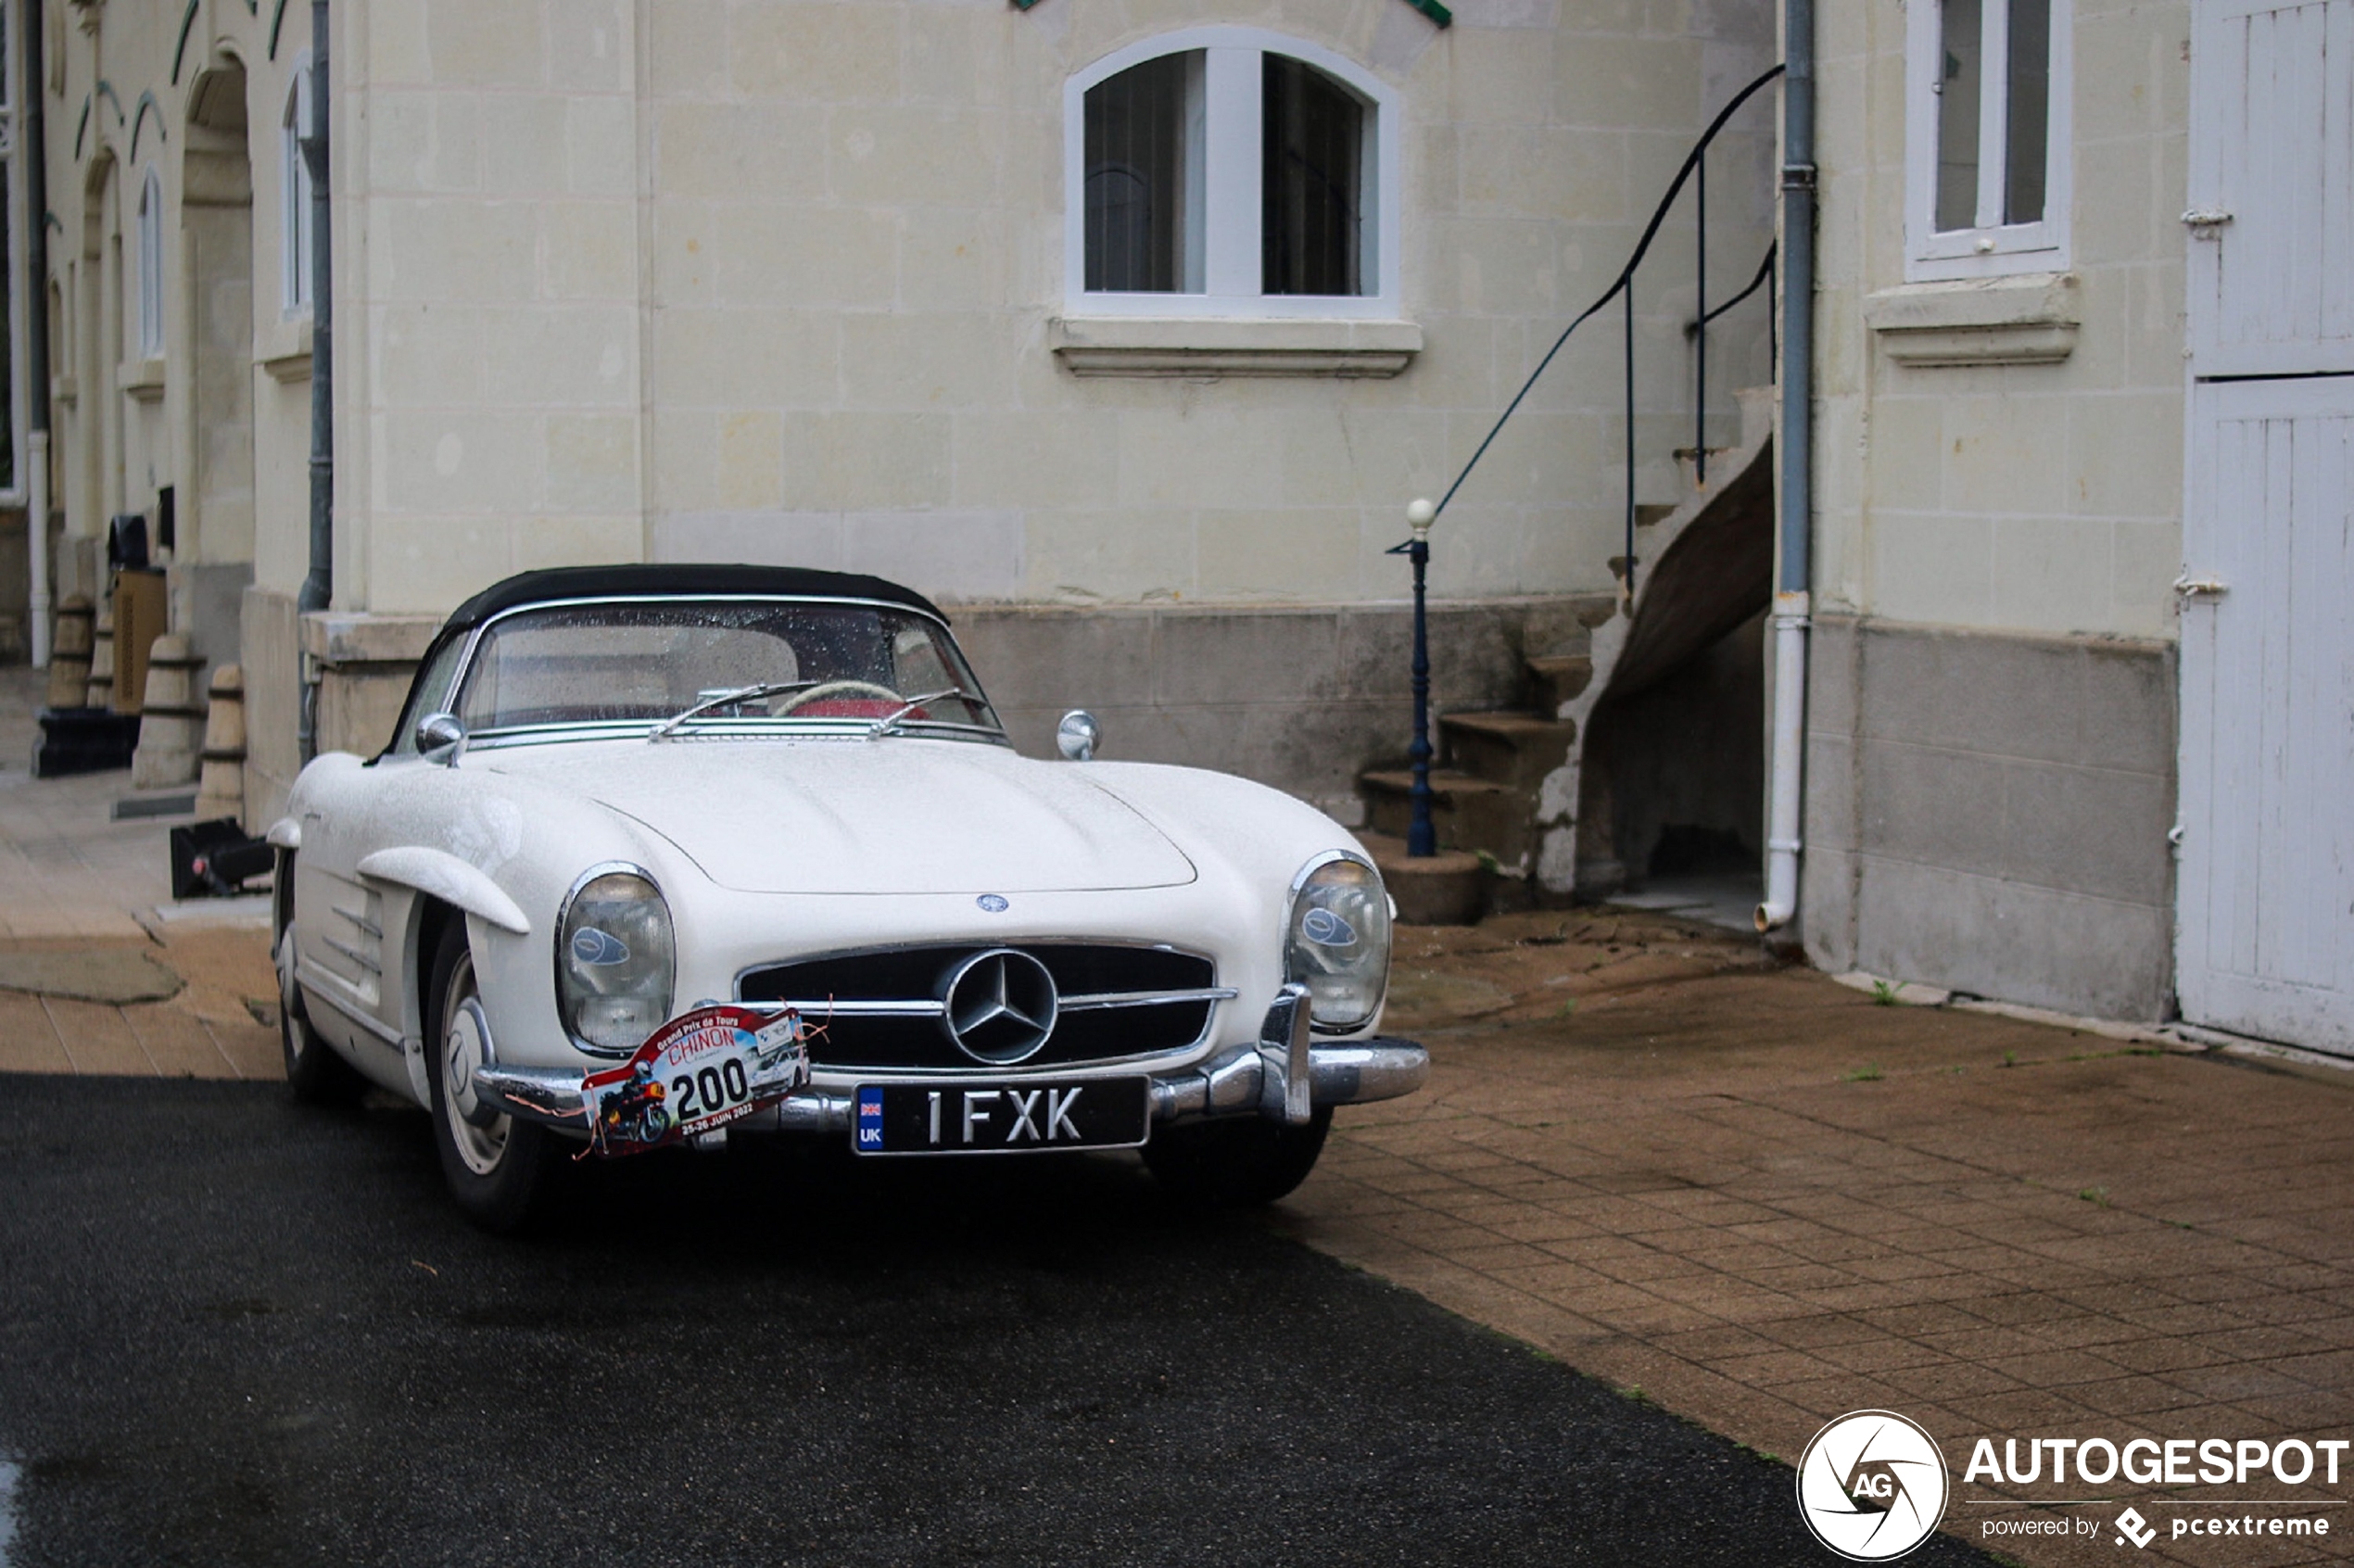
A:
x: 1421, y: 838
x: 1624, y: 285
x: 1765, y: 275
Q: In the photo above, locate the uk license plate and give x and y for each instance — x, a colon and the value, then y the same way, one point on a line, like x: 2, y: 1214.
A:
x: 1024, y: 1118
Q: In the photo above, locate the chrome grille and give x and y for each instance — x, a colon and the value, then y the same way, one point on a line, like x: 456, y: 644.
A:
x: 884, y: 1009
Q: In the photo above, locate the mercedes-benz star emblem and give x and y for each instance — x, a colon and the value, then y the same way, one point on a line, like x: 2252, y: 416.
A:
x: 999, y: 1005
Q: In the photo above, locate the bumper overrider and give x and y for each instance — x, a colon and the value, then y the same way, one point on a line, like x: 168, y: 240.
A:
x: 1283, y: 1076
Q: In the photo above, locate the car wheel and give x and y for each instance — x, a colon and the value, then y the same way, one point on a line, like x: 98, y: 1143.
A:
x: 497, y: 1171
x: 1238, y: 1162
x: 314, y: 1071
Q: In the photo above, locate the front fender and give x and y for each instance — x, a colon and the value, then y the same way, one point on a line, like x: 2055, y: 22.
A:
x: 443, y: 876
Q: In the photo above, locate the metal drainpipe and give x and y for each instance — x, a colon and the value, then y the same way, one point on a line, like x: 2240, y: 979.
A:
x: 36, y: 318
x: 318, y: 586
x: 1795, y: 449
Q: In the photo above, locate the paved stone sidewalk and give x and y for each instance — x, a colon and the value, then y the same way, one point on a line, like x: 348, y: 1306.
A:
x: 67, y: 870
x: 1765, y: 1201
x: 75, y: 881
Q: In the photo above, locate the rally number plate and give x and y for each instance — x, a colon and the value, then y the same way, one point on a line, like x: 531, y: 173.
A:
x: 1024, y: 1118
x: 697, y: 1073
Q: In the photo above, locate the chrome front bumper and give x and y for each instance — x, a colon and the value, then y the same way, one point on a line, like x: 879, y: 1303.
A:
x: 1283, y: 1076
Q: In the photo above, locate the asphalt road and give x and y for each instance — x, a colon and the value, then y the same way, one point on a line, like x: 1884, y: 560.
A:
x: 233, y: 1329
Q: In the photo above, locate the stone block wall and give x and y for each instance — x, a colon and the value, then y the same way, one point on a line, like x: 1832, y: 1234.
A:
x: 779, y: 281
x: 2006, y: 452
x: 274, y: 696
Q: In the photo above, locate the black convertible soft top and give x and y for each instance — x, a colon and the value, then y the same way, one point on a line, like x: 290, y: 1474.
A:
x: 684, y: 578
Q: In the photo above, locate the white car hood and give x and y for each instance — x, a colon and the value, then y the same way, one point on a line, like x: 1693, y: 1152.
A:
x: 897, y: 816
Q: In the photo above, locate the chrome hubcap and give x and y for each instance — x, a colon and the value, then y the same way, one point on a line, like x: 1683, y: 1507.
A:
x: 480, y: 1147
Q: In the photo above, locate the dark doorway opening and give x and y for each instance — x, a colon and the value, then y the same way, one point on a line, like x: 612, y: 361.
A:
x: 1675, y: 784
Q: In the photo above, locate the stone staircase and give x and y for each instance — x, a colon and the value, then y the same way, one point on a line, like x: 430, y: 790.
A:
x: 1491, y: 764
x: 1505, y: 783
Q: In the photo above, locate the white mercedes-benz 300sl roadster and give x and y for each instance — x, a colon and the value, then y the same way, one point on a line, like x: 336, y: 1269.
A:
x: 663, y: 853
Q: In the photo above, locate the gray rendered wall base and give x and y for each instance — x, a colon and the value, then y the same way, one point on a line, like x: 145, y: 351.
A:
x: 1304, y: 697
x: 1989, y: 814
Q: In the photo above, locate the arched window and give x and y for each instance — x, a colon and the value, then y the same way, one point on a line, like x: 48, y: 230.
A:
x: 1224, y: 169
x: 294, y: 186
x: 151, y: 267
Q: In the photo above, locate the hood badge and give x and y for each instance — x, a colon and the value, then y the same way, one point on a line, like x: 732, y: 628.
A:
x: 993, y: 904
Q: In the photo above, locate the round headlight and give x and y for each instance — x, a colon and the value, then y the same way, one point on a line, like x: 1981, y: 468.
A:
x: 615, y: 960
x: 1337, y: 943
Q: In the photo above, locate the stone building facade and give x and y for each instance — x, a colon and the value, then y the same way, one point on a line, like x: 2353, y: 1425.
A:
x: 793, y: 281
x: 1999, y: 524
x: 899, y: 286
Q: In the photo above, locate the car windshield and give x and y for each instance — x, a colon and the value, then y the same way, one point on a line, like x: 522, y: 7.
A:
x: 688, y: 667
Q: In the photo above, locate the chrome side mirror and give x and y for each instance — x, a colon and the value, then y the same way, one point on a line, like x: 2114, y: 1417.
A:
x: 440, y: 737
x: 1078, y: 735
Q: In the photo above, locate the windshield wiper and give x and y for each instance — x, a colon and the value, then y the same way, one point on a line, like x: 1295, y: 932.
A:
x: 669, y: 727
x: 899, y: 714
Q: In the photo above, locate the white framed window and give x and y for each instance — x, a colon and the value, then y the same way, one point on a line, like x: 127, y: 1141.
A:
x: 294, y: 186
x: 151, y: 267
x: 1230, y: 172
x: 1986, y: 137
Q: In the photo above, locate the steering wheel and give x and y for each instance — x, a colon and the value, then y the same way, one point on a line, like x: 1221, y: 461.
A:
x: 834, y: 688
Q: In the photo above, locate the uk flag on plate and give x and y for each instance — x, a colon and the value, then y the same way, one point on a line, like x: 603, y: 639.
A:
x: 870, y: 1135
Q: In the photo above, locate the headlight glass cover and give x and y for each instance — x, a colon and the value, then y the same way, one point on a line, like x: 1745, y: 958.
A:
x: 615, y: 961
x: 1337, y: 943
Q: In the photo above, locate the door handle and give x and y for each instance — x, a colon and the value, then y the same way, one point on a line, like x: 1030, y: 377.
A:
x: 2201, y: 587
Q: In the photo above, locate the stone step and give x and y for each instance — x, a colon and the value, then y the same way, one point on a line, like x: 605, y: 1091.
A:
x: 1721, y: 464
x: 1446, y: 888
x: 1558, y: 678
x: 1469, y: 814
x: 1510, y: 747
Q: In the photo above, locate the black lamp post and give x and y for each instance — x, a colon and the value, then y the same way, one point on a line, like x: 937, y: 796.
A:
x: 1421, y: 839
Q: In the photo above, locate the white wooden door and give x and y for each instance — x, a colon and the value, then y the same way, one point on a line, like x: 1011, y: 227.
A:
x: 2265, y: 942
x: 2271, y: 187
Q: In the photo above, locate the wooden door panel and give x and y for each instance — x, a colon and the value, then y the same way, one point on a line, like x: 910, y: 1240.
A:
x: 2266, y: 935
x: 2271, y: 289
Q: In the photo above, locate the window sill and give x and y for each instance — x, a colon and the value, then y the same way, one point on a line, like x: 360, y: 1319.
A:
x: 2030, y: 318
x: 143, y: 379
x: 1210, y: 347
x: 283, y: 349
